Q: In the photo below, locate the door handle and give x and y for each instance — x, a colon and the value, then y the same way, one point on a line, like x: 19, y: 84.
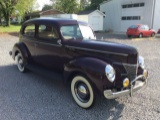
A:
x: 59, y: 42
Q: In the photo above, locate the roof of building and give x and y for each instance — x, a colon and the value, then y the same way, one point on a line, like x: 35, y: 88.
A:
x: 85, y: 12
x: 89, y: 12
x: 38, y: 13
x: 105, y: 2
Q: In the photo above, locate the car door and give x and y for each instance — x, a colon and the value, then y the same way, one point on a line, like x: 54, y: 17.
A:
x: 147, y: 31
x: 28, y: 38
x: 49, y: 48
x: 142, y: 30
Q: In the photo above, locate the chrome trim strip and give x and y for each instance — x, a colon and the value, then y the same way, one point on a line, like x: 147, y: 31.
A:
x: 118, y: 63
x: 112, y: 95
x: 92, y: 50
x: 35, y: 41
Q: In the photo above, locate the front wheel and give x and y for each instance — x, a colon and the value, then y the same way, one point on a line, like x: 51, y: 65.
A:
x: 153, y: 34
x: 20, y: 62
x: 129, y: 36
x: 82, y: 92
x: 140, y: 35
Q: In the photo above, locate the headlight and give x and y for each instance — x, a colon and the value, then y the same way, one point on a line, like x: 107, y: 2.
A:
x: 110, y: 73
x: 141, y: 62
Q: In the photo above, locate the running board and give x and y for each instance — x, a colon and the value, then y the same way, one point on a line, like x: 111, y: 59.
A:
x: 45, y: 72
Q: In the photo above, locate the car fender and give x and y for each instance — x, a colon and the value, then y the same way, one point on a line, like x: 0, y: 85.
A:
x: 92, y: 68
x: 21, y: 48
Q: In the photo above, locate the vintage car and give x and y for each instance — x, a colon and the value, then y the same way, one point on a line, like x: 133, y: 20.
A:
x: 68, y: 49
x: 140, y: 31
x: 158, y: 31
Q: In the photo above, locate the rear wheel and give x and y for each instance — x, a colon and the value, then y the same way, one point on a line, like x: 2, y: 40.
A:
x: 153, y: 34
x: 140, y: 35
x: 20, y: 62
x: 82, y: 91
x: 129, y: 36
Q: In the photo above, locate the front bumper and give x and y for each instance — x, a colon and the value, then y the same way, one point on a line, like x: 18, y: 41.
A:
x: 139, y: 81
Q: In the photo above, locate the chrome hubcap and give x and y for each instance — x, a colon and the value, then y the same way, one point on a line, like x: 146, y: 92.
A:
x: 20, y: 63
x: 82, y: 92
x: 82, y: 89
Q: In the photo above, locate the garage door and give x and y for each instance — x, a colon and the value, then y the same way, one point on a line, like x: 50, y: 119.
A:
x: 96, y: 23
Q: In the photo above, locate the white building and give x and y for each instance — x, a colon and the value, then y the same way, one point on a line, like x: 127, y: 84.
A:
x: 93, y: 17
x: 120, y: 14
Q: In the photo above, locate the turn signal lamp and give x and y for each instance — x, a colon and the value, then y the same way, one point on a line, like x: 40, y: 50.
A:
x: 126, y: 83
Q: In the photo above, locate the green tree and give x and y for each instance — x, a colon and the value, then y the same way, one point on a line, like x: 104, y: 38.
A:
x: 47, y: 7
x: 1, y: 16
x: 67, y: 6
x: 94, y: 4
x: 7, y: 7
x: 25, y: 6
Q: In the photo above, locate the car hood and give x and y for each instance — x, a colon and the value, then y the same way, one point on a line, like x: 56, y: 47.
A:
x: 105, y: 50
x: 105, y: 47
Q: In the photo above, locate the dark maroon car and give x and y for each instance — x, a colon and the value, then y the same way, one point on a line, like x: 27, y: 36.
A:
x: 158, y: 31
x: 68, y: 49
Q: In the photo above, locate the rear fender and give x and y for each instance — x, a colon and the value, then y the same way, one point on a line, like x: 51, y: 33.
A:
x: 21, y: 48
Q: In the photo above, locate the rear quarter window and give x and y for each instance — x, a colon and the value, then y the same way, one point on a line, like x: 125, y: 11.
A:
x: 29, y: 30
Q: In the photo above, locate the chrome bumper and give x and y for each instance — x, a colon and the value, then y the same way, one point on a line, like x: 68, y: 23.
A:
x: 138, y: 85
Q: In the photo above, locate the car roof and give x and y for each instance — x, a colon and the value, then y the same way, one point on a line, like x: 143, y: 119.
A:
x: 57, y: 21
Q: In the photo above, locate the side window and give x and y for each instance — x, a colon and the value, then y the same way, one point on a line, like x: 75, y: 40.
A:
x: 47, y: 32
x: 142, y: 28
x: 29, y: 30
x: 146, y: 27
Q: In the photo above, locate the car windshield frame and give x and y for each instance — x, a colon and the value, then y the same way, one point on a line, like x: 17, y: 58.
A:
x: 76, y: 32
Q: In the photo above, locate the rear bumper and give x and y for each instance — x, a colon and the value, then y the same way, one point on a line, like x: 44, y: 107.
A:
x: 139, y: 83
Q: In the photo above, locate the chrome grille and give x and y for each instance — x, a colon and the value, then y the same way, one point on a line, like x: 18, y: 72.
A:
x: 131, y: 71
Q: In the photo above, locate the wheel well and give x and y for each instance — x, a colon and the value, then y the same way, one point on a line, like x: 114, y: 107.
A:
x: 73, y: 74
x: 16, y: 53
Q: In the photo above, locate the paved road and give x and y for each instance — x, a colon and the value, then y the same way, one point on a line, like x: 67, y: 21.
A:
x: 31, y: 96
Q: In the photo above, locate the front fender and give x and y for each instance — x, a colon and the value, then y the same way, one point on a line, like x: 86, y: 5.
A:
x: 93, y: 68
x: 20, y: 48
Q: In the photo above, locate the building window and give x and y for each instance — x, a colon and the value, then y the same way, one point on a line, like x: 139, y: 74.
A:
x: 136, y: 5
x: 124, y: 18
x: 130, y: 5
x: 135, y: 18
x: 133, y: 5
x: 131, y: 17
x: 141, y: 4
x: 124, y: 6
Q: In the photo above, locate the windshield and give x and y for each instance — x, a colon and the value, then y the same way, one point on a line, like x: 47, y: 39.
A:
x: 77, y: 32
x: 133, y: 26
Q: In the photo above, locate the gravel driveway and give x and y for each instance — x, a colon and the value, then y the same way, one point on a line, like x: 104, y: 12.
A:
x: 31, y: 96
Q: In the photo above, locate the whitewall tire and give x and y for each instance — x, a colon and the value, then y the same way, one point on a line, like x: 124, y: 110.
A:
x: 20, y: 62
x: 82, y: 92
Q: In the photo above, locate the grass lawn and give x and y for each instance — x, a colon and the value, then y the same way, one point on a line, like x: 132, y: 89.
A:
x: 12, y: 28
